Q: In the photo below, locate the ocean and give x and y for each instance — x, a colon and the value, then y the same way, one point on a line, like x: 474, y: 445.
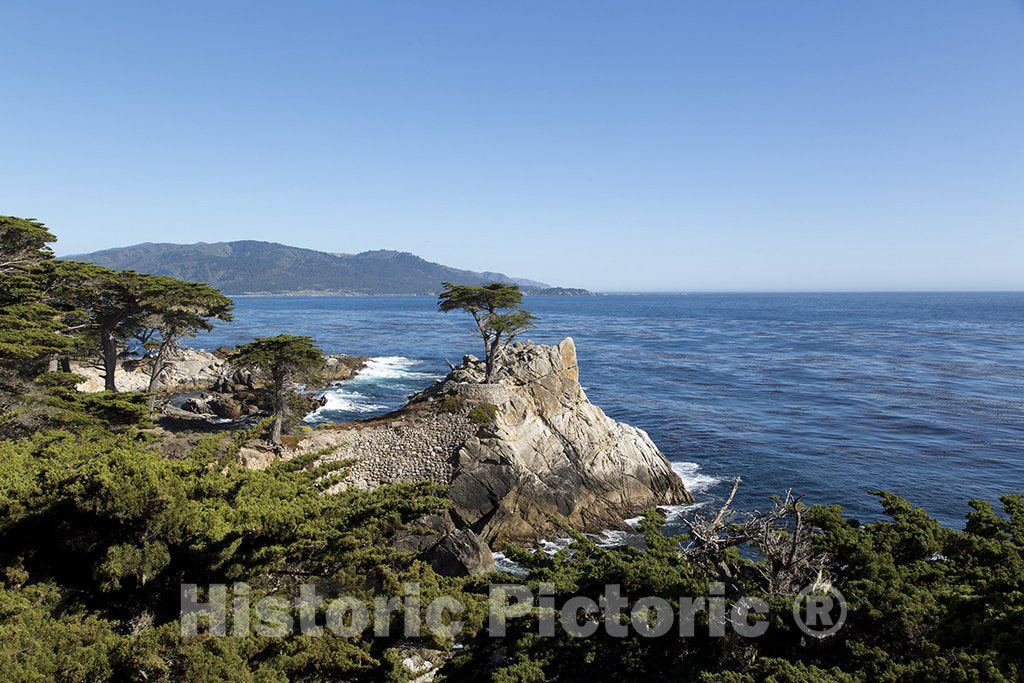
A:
x: 830, y: 395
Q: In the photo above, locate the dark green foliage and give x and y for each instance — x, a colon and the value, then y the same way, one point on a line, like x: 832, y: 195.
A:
x: 488, y: 298
x: 23, y: 242
x: 451, y: 405
x: 495, y: 309
x: 29, y: 326
x: 483, y: 413
x: 32, y: 327
x: 142, y: 523
x: 926, y: 603
x: 281, y: 359
x: 124, y: 527
x: 50, y: 401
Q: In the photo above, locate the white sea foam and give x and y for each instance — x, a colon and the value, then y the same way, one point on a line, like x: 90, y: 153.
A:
x: 613, y: 538
x: 552, y: 547
x: 693, y: 479
x: 674, y: 513
x: 390, y: 367
x: 503, y: 564
x: 340, y: 399
x: 345, y: 397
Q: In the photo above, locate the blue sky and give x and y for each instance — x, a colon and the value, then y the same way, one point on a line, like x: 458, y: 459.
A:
x: 634, y: 146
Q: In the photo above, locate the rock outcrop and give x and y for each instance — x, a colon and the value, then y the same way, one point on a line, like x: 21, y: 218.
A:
x: 199, y: 370
x: 188, y: 369
x: 515, y: 452
x: 450, y: 550
x: 550, y: 451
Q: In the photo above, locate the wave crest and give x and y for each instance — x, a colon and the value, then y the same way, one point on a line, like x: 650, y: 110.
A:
x: 695, y: 481
x: 390, y: 367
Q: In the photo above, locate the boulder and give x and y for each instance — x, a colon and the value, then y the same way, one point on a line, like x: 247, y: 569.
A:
x: 197, y: 405
x: 339, y: 366
x: 226, y: 407
x: 451, y: 551
x: 460, y: 553
x: 421, y: 664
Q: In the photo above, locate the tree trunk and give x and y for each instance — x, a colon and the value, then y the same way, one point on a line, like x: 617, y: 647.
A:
x: 155, y: 371
x: 275, y: 430
x: 51, y: 365
x: 279, y: 409
x: 109, y: 359
x: 65, y: 364
x: 492, y: 353
x: 487, y: 346
x: 489, y: 359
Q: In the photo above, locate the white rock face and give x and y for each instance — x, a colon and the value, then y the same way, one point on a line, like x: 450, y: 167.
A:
x: 188, y: 368
x: 547, y: 451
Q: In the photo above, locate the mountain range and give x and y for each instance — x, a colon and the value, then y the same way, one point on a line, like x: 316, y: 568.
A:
x: 251, y: 267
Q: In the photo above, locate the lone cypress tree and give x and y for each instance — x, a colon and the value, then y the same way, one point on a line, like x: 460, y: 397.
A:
x: 281, y: 359
x: 495, y: 309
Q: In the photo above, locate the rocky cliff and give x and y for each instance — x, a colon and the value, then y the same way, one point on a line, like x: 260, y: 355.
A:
x: 527, y: 446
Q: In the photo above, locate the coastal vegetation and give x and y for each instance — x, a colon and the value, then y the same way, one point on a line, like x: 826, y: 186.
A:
x: 99, y: 529
x: 185, y: 309
x: 495, y: 310
x: 283, y: 359
x: 926, y: 603
x: 483, y: 413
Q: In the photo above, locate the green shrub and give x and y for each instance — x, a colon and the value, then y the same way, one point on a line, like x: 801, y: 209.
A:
x: 483, y: 413
x: 926, y: 603
x: 451, y: 405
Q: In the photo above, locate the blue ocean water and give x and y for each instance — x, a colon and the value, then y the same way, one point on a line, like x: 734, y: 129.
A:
x: 831, y: 395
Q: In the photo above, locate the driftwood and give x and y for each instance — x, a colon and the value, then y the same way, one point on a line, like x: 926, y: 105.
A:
x: 780, y: 537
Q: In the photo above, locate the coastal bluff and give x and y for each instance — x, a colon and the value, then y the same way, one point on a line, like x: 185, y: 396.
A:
x: 516, y: 453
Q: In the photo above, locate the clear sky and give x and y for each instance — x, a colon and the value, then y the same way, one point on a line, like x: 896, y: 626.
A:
x: 854, y: 144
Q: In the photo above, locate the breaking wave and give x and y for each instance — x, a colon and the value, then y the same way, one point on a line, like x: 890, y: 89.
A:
x: 381, y: 385
x: 693, y: 479
x: 390, y: 368
x: 345, y: 400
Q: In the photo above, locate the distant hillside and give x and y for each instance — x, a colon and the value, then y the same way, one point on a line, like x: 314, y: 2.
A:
x: 265, y: 267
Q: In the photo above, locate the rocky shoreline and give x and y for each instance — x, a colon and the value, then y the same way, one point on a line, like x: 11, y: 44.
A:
x: 203, y: 385
x: 519, y: 457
